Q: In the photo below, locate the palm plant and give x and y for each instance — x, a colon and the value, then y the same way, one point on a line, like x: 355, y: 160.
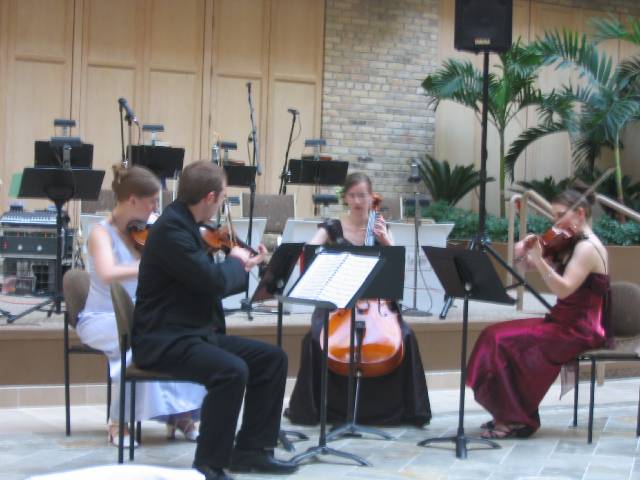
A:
x: 511, y: 89
x: 445, y: 184
x: 548, y: 187
x: 607, y: 102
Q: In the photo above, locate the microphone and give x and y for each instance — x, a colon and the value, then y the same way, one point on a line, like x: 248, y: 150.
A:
x: 293, y: 111
x: 414, y: 176
x: 130, y: 116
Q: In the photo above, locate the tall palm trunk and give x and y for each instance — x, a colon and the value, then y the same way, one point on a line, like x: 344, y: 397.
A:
x: 616, y: 156
x: 502, y: 175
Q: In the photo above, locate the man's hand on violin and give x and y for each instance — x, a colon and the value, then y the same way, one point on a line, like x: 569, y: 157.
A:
x: 245, y: 257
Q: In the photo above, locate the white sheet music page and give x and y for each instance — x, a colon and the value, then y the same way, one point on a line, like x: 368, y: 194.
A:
x: 334, y: 277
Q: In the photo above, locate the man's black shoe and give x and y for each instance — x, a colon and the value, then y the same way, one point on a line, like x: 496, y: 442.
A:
x: 261, y: 461
x: 212, y: 473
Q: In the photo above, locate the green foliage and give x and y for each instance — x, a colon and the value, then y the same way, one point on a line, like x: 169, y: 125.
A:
x: 548, y: 187
x: 466, y: 225
x: 630, y: 189
x: 614, y: 233
x: 596, y: 112
x: 512, y: 88
x: 446, y: 184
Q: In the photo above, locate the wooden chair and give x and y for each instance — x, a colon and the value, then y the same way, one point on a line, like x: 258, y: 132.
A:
x: 123, y: 308
x: 625, y: 322
x: 75, y: 287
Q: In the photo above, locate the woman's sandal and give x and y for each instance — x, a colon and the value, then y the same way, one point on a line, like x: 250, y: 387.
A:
x: 113, y: 436
x: 490, y: 425
x: 522, y: 431
x: 185, y: 425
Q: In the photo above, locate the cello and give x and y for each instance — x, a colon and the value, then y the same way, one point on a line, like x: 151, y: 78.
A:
x: 381, y: 349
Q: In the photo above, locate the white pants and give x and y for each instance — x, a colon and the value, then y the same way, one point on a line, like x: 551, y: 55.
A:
x: 153, y: 399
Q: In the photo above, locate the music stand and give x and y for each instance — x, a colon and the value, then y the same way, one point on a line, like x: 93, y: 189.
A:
x: 164, y: 162
x: 467, y: 274
x: 388, y: 284
x: 51, y: 153
x: 326, y: 307
x: 58, y: 185
x: 244, y: 176
x: 271, y: 286
x: 317, y: 173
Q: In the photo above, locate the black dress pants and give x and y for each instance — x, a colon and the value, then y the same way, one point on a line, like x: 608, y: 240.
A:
x: 226, y: 365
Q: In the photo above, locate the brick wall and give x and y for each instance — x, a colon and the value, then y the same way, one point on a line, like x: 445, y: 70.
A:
x: 377, y: 52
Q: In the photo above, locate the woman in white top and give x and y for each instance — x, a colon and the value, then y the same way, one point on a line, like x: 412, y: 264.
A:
x: 113, y: 257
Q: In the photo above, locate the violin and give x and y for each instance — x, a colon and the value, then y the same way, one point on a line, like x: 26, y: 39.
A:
x: 222, y: 238
x: 557, y: 241
x: 381, y: 349
x: 138, y: 231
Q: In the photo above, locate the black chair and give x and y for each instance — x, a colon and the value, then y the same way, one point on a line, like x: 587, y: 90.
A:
x: 625, y: 322
x: 123, y: 308
x: 75, y: 287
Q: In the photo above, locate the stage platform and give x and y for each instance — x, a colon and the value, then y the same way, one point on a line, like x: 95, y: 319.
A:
x: 31, y: 350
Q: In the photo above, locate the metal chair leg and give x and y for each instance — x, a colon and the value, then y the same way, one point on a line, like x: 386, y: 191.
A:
x: 109, y: 383
x: 575, y: 394
x: 591, y: 400
x: 132, y: 420
x: 67, y: 393
x: 121, y: 422
x: 638, y: 420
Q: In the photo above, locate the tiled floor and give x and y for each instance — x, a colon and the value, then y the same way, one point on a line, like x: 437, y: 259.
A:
x: 32, y: 441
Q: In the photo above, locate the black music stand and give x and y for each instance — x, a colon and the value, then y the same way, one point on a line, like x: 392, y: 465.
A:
x: 271, y: 286
x: 51, y: 153
x: 326, y: 307
x: 163, y: 161
x: 244, y: 176
x: 382, y: 286
x: 318, y: 173
x: 467, y: 274
x: 58, y: 185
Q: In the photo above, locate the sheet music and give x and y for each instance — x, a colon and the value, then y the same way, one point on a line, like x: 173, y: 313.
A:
x: 334, y: 277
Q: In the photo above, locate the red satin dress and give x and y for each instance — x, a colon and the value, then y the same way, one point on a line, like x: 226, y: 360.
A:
x: 514, y: 363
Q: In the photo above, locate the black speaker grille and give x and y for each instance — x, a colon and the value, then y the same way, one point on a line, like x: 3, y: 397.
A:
x: 483, y: 25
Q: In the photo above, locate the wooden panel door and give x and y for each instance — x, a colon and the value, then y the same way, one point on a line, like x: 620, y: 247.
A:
x: 111, y: 68
x: 37, y: 59
x: 295, y: 81
x: 174, y: 46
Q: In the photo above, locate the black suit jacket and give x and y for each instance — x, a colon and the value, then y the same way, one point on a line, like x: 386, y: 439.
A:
x: 180, y: 288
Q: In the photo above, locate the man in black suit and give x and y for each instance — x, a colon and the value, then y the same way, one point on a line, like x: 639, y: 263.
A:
x: 179, y: 328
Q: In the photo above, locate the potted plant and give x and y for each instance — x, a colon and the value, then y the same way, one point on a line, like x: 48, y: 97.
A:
x: 510, y: 91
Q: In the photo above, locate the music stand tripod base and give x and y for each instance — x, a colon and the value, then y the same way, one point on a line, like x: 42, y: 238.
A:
x: 466, y: 274
x: 461, y: 441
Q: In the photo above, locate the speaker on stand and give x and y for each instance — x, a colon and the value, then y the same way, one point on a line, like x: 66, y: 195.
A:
x: 481, y: 26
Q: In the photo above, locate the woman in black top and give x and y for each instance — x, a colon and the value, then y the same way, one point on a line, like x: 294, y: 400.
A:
x: 398, y: 397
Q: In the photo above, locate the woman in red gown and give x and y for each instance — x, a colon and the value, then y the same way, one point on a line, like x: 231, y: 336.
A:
x: 514, y: 363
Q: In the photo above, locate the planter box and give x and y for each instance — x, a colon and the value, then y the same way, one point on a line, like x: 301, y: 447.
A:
x: 623, y: 263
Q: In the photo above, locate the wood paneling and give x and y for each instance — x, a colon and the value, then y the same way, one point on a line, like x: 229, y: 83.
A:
x: 295, y: 81
x: 37, y: 68
x: 183, y: 64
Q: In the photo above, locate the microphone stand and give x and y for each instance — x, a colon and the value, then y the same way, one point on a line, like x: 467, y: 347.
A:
x: 415, y: 179
x: 126, y: 159
x: 286, y: 174
x: 255, y: 161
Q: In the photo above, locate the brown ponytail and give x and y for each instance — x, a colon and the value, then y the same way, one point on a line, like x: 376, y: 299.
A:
x: 137, y: 181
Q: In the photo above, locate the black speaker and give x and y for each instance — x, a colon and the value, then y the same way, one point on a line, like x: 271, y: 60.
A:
x: 483, y: 25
